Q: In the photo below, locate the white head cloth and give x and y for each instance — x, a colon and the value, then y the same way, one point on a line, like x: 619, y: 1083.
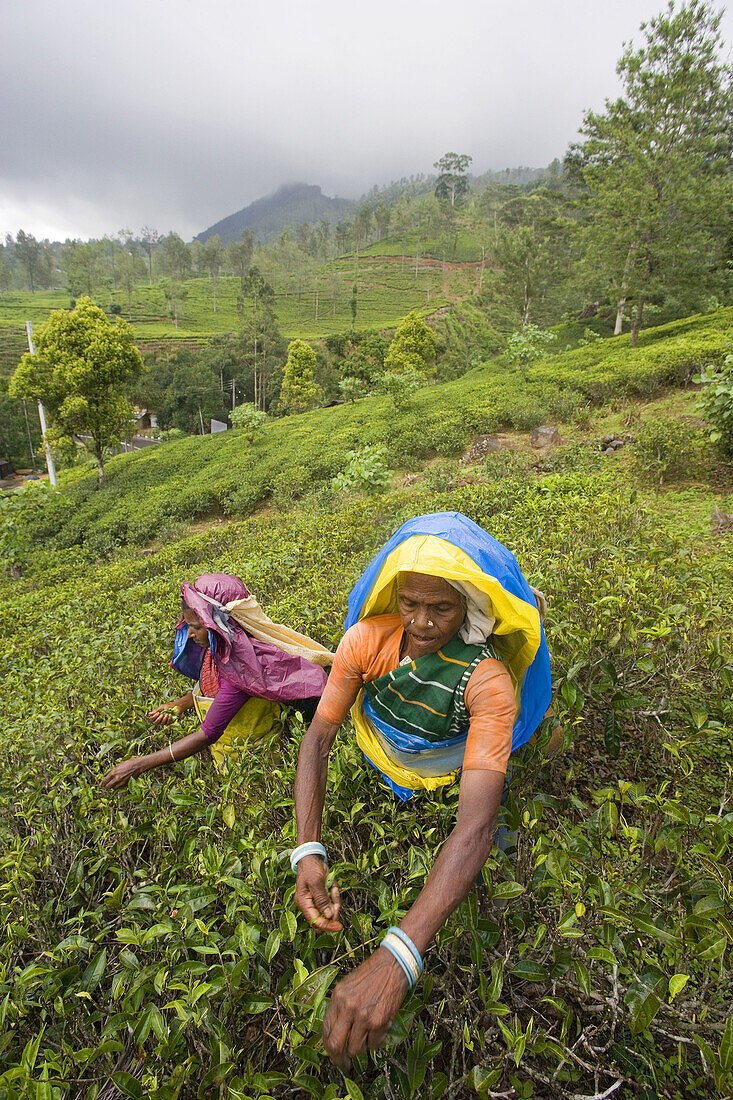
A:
x: 480, y: 619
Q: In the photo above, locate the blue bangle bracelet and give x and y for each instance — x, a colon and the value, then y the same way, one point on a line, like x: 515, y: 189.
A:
x: 310, y: 848
x: 408, y: 944
x: 405, y: 968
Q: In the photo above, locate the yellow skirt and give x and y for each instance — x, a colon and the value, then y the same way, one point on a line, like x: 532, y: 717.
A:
x: 252, y: 722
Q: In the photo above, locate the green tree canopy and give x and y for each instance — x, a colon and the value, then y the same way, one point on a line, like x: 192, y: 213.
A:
x: 81, y: 370
x: 657, y: 162
x: 176, y: 256
x: 452, y: 184
x: 35, y: 259
x: 414, y: 343
x: 299, y: 390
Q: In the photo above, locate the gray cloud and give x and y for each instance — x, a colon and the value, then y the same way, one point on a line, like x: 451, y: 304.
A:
x: 172, y: 113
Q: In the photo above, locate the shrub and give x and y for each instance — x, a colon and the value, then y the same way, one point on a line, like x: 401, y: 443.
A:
x: 352, y: 389
x: 716, y: 402
x: 299, y: 390
x: 366, y: 472
x: 20, y: 511
x: 150, y: 940
x: 527, y: 346
x: 414, y: 343
x: 291, y: 484
x: 400, y: 384
x: 248, y: 420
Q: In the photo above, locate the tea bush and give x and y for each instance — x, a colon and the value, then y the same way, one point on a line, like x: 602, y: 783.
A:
x: 667, y: 450
x: 151, y: 945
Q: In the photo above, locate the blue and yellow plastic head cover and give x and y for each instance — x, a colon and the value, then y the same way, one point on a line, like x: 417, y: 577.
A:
x: 449, y: 545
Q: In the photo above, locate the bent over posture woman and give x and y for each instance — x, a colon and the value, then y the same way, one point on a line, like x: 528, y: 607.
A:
x: 446, y: 671
x: 244, y: 665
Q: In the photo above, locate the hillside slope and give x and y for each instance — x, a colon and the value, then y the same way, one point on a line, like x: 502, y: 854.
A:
x: 149, y: 491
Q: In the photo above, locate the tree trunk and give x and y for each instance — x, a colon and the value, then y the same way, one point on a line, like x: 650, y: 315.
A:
x: 619, y: 326
x: 525, y: 310
x: 637, y: 321
x: 100, y: 466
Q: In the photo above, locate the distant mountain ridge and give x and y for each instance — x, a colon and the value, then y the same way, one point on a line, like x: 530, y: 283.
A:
x: 291, y: 204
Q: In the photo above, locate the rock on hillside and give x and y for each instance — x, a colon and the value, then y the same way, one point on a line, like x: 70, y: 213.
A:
x: 291, y: 204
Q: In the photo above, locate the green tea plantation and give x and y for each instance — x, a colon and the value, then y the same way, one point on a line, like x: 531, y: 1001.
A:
x: 151, y: 946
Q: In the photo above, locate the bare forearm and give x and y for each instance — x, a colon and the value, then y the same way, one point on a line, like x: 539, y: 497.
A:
x: 310, y: 779
x: 451, y: 879
x: 460, y: 860
x: 177, y: 750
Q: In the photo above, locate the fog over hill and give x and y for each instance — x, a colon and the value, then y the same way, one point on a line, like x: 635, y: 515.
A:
x: 291, y: 204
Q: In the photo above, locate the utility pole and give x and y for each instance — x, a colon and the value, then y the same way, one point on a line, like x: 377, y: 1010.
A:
x: 50, y: 465
x: 234, y: 400
x: 30, y: 441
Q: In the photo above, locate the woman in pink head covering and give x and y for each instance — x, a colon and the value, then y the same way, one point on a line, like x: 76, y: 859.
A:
x: 231, y: 668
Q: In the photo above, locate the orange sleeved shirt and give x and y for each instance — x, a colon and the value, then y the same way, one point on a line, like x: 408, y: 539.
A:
x: 371, y: 648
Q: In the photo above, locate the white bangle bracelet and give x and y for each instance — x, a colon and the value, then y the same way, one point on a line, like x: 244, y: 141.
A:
x: 404, y: 957
x: 395, y: 931
x: 311, y: 848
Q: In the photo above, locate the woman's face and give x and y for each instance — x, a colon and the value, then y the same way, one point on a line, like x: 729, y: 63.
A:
x: 431, y: 612
x: 197, y: 632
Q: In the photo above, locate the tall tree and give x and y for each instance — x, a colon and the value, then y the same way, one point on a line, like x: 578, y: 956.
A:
x: 81, y: 370
x: 260, y: 337
x: 323, y: 239
x: 5, y: 276
x: 239, y: 255
x: 452, y: 183
x: 149, y: 239
x: 83, y: 262
x: 189, y: 390
x: 533, y: 249
x: 176, y: 257
x: 382, y: 215
x: 175, y: 296
x: 35, y: 258
x: 111, y: 251
x: 131, y: 268
x: 657, y: 162
x: 362, y: 226
x: 213, y: 255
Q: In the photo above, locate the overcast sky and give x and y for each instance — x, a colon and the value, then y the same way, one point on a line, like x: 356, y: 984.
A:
x: 175, y: 113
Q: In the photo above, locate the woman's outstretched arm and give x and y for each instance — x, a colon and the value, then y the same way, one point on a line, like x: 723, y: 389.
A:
x: 122, y: 773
